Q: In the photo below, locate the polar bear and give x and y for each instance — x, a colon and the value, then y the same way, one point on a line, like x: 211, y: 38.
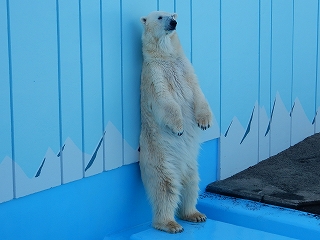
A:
x: 173, y: 109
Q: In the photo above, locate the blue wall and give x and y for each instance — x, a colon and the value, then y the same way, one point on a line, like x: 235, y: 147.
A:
x: 85, y: 209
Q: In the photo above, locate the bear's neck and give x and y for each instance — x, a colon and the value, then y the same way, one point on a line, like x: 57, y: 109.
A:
x: 166, y: 46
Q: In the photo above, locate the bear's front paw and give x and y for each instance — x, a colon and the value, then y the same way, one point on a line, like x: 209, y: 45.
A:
x: 173, y: 119
x: 204, y: 120
x: 177, y: 128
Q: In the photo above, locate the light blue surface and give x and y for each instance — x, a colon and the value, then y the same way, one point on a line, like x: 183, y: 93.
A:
x: 209, y: 230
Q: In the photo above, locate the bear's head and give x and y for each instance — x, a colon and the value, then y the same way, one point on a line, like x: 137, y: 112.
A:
x: 159, y: 24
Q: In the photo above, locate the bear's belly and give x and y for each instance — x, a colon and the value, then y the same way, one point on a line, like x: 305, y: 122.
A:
x: 161, y: 138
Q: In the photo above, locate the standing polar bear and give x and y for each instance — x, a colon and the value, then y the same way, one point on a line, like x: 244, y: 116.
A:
x: 173, y: 108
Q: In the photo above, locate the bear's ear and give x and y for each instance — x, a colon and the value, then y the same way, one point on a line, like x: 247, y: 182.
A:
x: 143, y: 20
x: 175, y: 16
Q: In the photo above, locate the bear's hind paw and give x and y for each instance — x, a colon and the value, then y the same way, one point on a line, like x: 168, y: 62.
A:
x: 170, y: 227
x: 195, y: 217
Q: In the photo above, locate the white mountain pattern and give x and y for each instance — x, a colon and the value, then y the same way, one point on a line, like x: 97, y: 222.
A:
x: 238, y: 150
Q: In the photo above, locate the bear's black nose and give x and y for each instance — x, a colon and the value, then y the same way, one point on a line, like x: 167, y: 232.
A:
x: 173, y: 23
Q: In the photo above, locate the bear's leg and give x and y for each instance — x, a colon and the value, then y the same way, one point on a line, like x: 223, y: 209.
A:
x: 164, y: 200
x: 189, y: 195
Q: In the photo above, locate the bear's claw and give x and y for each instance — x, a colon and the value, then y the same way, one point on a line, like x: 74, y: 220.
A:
x: 203, y: 127
x: 204, y: 120
x: 180, y: 133
x: 195, y: 217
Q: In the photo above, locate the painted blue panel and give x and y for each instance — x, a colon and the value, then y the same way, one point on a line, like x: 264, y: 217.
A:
x: 111, y: 22
x: 265, y: 54
x: 239, y: 60
x: 239, y: 85
x: 183, y: 9
x: 166, y: 5
x: 70, y: 71
x: 70, y: 81
x: 206, y: 52
x: 281, y: 75
x: 265, y: 78
x: 282, y: 30
x: 92, y: 96
x: 305, y: 54
x: 92, y: 81
x: 35, y: 81
x: 6, y: 170
x: 304, y: 69
x: 317, y: 119
x: 131, y: 67
x: 5, y: 120
x: 112, y: 84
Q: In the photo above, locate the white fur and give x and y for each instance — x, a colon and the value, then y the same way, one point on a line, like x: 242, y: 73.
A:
x: 172, y: 104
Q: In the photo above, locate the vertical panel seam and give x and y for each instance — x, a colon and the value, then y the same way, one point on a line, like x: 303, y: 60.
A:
x: 317, y: 66
x: 59, y: 89
x: 220, y: 64
x: 11, y: 98
x: 121, y: 60
x: 220, y: 83
x: 292, y: 66
x: 270, y: 71
x: 102, y: 84
x: 81, y: 86
x: 191, y: 33
x: 259, y: 77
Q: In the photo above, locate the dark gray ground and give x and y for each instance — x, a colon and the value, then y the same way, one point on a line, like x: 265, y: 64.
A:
x: 289, y: 179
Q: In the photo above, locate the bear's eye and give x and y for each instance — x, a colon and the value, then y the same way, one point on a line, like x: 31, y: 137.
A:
x: 160, y: 17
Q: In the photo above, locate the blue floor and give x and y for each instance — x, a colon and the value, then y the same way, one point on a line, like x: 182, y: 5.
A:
x: 209, y: 230
x: 231, y: 218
